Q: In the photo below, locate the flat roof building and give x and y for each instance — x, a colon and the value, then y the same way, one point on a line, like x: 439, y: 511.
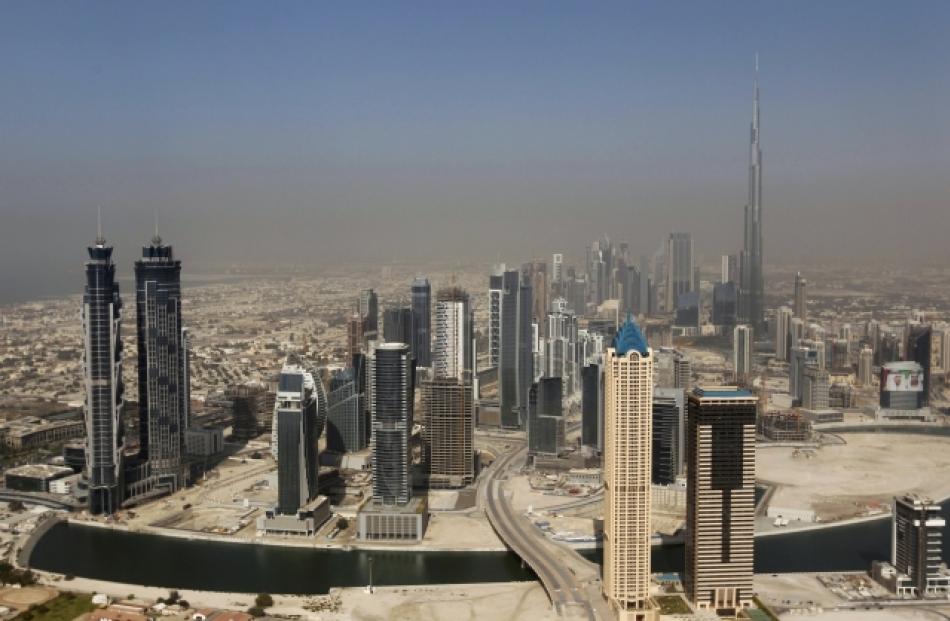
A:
x: 720, y: 508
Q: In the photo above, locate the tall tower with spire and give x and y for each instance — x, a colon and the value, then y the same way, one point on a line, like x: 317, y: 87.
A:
x: 162, y: 363
x: 752, y: 282
x: 102, y: 367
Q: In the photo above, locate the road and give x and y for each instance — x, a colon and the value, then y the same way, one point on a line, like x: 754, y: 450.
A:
x: 568, y: 596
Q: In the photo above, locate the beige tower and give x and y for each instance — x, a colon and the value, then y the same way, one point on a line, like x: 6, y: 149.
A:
x: 628, y: 412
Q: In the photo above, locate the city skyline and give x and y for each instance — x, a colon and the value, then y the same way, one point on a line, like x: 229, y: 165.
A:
x: 486, y: 311
x: 593, y: 135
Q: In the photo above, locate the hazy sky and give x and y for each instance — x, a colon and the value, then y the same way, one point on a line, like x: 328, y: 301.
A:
x: 323, y: 133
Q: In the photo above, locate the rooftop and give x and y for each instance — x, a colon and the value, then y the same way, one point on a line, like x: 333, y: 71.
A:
x: 722, y: 392
x: 629, y: 337
x: 40, y: 471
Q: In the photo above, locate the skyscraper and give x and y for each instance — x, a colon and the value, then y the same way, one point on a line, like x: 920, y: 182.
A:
x: 672, y: 368
x: 798, y: 357
x: 752, y: 285
x: 449, y: 431
x: 538, y: 271
x: 369, y: 314
x: 917, y: 543
x: 397, y: 324
x: 742, y: 353
x: 557, y: 268
x: 447, y: 399
x: 354, y: 335
x: 496, y: 290
x: 668, y: 434
x: 390, y: 375
x: 720, y: 503
x: 592, y: 407
x: 725, y: 304
x: 816, y: 385
x: 421, y: 320
x: 507, y: 296
x: 452, y: 349
x: 646, y: 304
x: 628, y: 409
x: 679, y: 268
x: 346, y: 419
x: 783, y: 328
x: 865, y: 366
x: 102, y: 367
x: 298, y: 424
x: 525, y: 347
x: 545, y: 417
x: 801, y: 302
x: 560, y: 344
x: 918, y: 350
x: 162, y: 364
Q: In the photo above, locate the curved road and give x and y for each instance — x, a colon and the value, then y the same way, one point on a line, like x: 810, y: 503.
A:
x: 566, y: 593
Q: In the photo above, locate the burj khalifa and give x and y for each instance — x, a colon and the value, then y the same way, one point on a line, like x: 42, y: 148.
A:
x: 752, y: 283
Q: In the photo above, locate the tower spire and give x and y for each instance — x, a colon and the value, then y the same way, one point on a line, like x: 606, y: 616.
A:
x: 100, y: 240
x: 157, y: 239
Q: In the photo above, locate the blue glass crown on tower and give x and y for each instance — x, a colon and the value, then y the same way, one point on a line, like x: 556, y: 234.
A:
x: 630, y: 337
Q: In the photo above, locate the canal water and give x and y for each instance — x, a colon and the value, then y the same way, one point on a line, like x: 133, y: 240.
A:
x: 173, y: 562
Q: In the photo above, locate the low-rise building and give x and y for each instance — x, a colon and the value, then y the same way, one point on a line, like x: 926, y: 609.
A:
x: 32, y: 432
x: 34, y: 477
x: 784, y: 427
x: 305, y: 522
x: 204, y: 441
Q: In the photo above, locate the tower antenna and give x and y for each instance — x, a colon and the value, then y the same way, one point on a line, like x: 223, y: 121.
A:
x: 100, y: 240
x: 157, y: 240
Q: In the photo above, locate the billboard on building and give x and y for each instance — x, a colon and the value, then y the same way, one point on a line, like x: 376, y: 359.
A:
x: 902, y: 378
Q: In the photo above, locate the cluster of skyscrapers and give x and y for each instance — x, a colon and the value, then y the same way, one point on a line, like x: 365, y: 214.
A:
x: 160, y: 464
x: 373, y: 401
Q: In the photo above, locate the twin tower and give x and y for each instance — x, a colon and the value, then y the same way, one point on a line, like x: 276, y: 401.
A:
x: 163, y: 378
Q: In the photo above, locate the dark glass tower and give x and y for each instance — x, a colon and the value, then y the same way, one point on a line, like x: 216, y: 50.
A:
x: 369, y: 314
x: 391, y: 378
x: 421, y: 320
x: 508, y: 350
x: 592, y: 407
x: 725, y: 301
x: 918, y: 350
x: 668, y: 434
x: 545, y: 417
x: 162, y: 363
x: 102, y: 362
x: 679, y: 268
x: 298, y: 430
x: 525, y: 362
x: 346, y: 423
x: 397, y: 325
x: 752, y: 285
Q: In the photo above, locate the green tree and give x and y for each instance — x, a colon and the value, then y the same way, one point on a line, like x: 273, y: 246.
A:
x: 263, y: 601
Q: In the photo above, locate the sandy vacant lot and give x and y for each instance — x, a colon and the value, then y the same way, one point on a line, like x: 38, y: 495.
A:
x: 887, y: 614
x: 841, y: 481
x: 510, y: 601
x: 501, y: 602
x: 26, y: 597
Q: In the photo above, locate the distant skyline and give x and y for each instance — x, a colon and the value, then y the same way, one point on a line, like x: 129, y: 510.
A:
x: 314, y: 134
